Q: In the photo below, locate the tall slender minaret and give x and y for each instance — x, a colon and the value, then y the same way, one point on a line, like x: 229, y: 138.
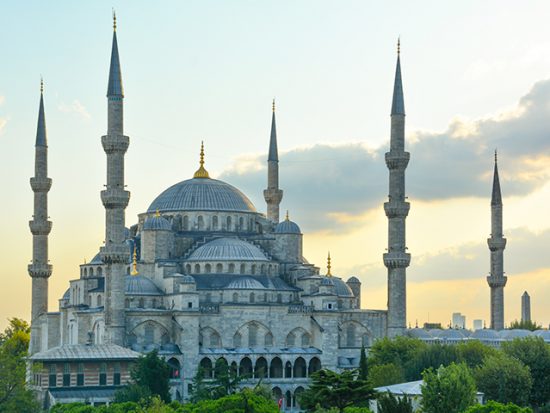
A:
x: 273, y: 195
x: 397, y: 259
x: 115, y: 253
x: 497, y: 243
x: 40, y: 269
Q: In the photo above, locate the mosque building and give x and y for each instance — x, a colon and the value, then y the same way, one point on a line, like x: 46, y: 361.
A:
x: 203, y: 277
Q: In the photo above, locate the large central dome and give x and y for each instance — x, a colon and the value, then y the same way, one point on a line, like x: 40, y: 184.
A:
x: 202, y: 194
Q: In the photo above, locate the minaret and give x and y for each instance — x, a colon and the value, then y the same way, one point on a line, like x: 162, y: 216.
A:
x: 525, y: 307
x: 40, y: 269
x: 397, y: 259
x: 496, y: 243
x: 115, y: 198
x: 273, y: 195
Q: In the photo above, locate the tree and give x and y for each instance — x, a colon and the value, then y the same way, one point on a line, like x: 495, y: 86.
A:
x: 495, y: 407
x: 504, y: 379
x: 448, y: 389
x: 329, y: 389
x: 246, y: 401
x: 474, y: 352
x: 226, y: 379
x: 524, y: 325
x: 399, y: 350
x: 14, y: 342
x: 386, y: 374
x: 149, y: 377
x: 535, y: 354
x: 433, y: 355
x: 388, y: 403
x: 363, y: 365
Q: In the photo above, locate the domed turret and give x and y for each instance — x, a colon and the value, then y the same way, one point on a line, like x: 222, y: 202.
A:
x: 156, y: 223
x: 355, y: 285
x: 288, y: 241
x: 157, y: 238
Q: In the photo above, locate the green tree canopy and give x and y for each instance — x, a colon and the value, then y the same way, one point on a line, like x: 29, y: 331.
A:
x: 495, y: 407
x: 448, y: 389
x: 535, y: 354
x: 329, y: 389
x: 473, y: 352
x: 504, y: 379
x: 524, y: 325
x: 363, y: 364
x: 388, y: 403
x: 433, y: 355
x: 398, y: 351
x: 386, y: 374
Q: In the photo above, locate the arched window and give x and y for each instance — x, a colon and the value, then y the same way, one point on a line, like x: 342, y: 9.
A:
x: 186, y: 223
x: 228, y: 223
x: 291, y: 340
x: 263, y: 269
x: 206, y: 367
x: 237, y: 340
x: 235, y: 297
x: 277, y: 393
x: 85, y: 272
x: 276, y: 368
x: 219, y: 268
x: 197, y: 269
x: 269, y: 269
x: 288, y: 399
x: 103, y: 374
x: 100, y: 271
x: 350, y: 335
x: 252, y: 298
x: 245, y: 367
x: 188, y: 268
x: 296, y: 399
x: 208, y: 268
x: 252, y: 335
x: 241, y: 223
x: 260, y: 369
x: 215, y: 340
x: 141, y: 303
x: 305, y: 340
x: 175, y: 367
x: 243, y: 269
x: 91, y: 272
x: 200, y: 222
x: 300, y: 367
x: 268, y: 339
x: 253, y: 269
x: 149, y: 334
x: 288, y: 370
x: 127, y: 303
x: 215, y: 222
x: 314, y: 365
x: 99, y: 300
x: 231, y: 268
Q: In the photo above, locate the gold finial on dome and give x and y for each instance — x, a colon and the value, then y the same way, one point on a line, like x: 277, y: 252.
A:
x: 287, y: 218
x: 114, y: 20
x: 329, y: 267
x: 201, y: 172
x: 134, y: 262
x: 41, y: 85
x: 399, y: 45
x: 157, y: 213
x: 273, y: 105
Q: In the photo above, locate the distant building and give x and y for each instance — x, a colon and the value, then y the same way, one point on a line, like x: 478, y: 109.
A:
x: 430, y: 326
x: 478, y: 324
x: 525, y: 307
x: 459, y: 320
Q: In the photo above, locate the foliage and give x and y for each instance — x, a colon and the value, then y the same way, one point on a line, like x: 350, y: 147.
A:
x: 149, y: 377
x: 433, y: 355
x: 524, y: 325
x: 388, y: 403
x: 495, y: 407
x: 386, y: 374
x: 14, y: 342
x: 448, y: 389
x: 535, y: 354
x: 473, y: 352
x: 127, y: 407
x: 363, y: 365
x: 346, y: 410
x: 330, y: 389
x: 398, y: 351
x: 246, y: 401
x: 504, y: 379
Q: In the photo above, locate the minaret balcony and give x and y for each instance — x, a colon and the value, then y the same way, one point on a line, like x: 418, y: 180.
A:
x: 39, y: 184
x: 40, y: 270
x: 115, y: 198
x: 115, y: 253
x: 397, y: 160
x: 397, y: 259
x: 396, y: 209
x: 115, y: 143
x: 496, y: 244
x: 273, y: 195
x: 495, y: 282
x: 40, y: 227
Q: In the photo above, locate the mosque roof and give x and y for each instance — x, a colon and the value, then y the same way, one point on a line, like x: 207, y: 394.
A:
x: 157, y: 223
x: 140, y: 285
x: 341, y: 288
x: 352, y: 280
x: 237, y: 281
x: 86, y: 352
x: 202, y: 194
x: 485, y: 334
x: 287, y: 227
x: 516, y: 333
x: 227, y: 249
x: 245, y: 283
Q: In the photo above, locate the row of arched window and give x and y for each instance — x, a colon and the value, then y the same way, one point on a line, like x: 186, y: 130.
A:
x: 251, y: 298
x: 214, y: 223
x: 252, y: 338
x: 89, y: 271
x: 231, y: 268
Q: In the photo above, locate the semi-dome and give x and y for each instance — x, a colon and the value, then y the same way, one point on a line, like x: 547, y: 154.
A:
x: 516, y: 333
x: 140, y: 285
x: 341, y: 288
x: 187, y: 279
x: 419, y: 333
x: 227, y: 249
x: 485, y: 334
x: 157, y: 223
x: 326, y: 281
x: 287, y: 227
x: 202, y: 194
x: 245, y: 283
x: 353, y: 280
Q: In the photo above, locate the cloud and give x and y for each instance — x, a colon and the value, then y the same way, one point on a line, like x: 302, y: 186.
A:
x: 75, y: 107
x: 323, y: 182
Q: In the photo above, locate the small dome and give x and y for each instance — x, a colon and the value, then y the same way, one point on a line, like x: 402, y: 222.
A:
x: 140, y: 285
x: 245, y: 283
x: 326, y: 281
x: 353, y: 280
x: 227, y: 249
x: 544, y: 334
x: 157, y: 223
x: 202, y: 194
x: 419, y: 333
x: 67, y: 294
x: 450, y: 334
x: 517, y: 333
x: 187, y: 279
x: 287, y: 227
x: 485, y: 334
x: 342, y: 289
x: 96, y: 259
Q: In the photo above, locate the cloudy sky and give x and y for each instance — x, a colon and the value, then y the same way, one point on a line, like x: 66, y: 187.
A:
x: 476, y: 77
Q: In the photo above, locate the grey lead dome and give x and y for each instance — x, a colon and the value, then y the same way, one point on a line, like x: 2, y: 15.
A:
x: 199, y: 194
x: 227, y: 249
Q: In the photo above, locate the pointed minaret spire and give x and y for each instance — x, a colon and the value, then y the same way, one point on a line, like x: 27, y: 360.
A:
x: 497, y: 244
x: 40, y: 268
x: 115, y: 199
x: 329, y: 265
x: 397, y: 259
x: 273, y: 195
